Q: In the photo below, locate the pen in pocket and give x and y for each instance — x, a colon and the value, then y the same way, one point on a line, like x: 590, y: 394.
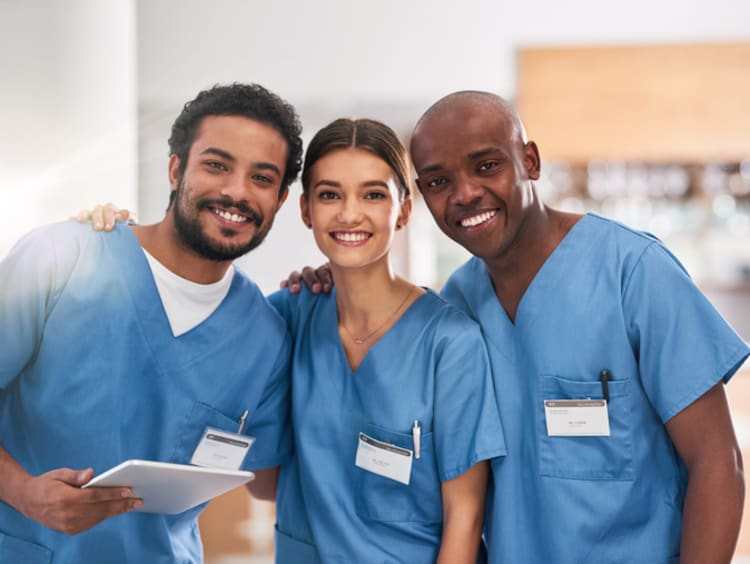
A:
x: 605, y: 377
x: 416, y: 435
x: 242, y: 421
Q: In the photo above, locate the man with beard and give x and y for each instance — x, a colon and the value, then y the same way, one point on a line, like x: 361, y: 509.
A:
x: 130, y: 344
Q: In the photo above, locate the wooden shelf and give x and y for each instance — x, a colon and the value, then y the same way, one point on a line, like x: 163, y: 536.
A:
x: 656, y: 103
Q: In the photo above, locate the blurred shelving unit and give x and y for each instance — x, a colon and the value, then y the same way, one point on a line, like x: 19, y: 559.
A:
x: 655, y: 136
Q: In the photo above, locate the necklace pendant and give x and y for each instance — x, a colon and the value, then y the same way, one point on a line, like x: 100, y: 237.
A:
x: 358, y: 341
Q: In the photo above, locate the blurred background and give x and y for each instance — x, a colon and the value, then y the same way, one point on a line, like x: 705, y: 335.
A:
x: 640, y: 110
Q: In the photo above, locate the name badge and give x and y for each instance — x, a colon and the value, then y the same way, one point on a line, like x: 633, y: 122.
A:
x: 384, y: 459
x: 577, y: 418
x: 220, y: 449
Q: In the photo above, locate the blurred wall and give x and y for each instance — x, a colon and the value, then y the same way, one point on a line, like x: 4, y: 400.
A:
x: 68, y: 109
x: 387, y: 60
x: 78, y: 77
x: 90, y: 88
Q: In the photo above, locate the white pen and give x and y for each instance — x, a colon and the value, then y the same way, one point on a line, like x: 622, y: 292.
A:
x: 416, y: 434
x: 243, y: 419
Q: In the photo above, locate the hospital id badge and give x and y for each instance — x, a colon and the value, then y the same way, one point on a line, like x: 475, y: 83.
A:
x: 220, y: 449
x: 577, y: 418
x: 384, y: 459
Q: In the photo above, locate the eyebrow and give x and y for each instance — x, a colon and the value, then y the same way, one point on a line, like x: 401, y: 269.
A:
x: 484, y: 152
x: 268, y: 166
x: 429, y: 168
x: 229, y: 157
x: 478, y: 154
x: 366, y: 184
x: 219, y: 153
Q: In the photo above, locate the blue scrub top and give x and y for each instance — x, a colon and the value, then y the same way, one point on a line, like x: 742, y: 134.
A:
x: 607, y: 298
x: 91, y: 375
x: 430, y: 366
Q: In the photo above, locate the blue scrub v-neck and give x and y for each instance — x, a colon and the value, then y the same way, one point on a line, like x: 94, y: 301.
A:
x: 331, y: 323
x: 606, y: 298
x: 430, y: 366
x: 92, y: 376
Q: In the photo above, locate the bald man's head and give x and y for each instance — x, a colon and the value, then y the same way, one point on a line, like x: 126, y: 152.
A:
x: 479, y: 103
x: 476, y: 171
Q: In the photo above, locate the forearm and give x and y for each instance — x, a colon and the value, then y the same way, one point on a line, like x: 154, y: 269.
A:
x: 263, y: 486
x: 463, y: 515
x: 713, y: 511
x: 13, y: 478
x: 461, y: 537
x: 704, y: 437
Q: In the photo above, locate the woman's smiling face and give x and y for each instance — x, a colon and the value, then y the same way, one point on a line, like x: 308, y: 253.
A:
x: 353, y: 207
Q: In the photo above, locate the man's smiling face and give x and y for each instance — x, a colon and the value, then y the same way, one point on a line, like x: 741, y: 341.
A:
x: 229, y: 193
x: 474, y: 172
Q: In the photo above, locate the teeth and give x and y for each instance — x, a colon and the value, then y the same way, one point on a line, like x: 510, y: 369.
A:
x: 230, y: 216
x: 478, y: 219
x: 350, y: 237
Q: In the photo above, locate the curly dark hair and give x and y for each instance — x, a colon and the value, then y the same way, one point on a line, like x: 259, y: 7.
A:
x: 247, y: 100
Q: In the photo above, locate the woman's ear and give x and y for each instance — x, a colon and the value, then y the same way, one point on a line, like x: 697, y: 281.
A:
x: 304, y: 209
x: 403, y: 216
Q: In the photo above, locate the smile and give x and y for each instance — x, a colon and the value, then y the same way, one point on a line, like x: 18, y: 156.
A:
x: 230, y: 216
x: 478, y: 219
x: 351, y: 236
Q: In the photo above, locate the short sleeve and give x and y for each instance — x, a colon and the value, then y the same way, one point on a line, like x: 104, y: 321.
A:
x: 683, y: 344
x: 280, y: 300
x: 451, y: 292
x: 466, y: 423
x: 29, y: 279
x: 271, y: 424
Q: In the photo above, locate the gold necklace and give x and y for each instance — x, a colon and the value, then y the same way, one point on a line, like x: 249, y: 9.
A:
x: 361, y: 340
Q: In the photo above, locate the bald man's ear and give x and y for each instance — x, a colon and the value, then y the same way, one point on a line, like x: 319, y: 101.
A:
x: 531, y: 160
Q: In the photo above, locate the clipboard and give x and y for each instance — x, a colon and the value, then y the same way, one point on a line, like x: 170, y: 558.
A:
x: 170, y: 488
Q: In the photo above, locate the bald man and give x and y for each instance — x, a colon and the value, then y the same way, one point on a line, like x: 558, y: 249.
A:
x: 609, y: 363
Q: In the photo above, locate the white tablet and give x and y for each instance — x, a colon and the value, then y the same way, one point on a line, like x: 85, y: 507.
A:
x: 170, y: 488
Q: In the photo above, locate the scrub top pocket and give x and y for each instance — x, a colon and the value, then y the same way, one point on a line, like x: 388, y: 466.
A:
x: 191, y: 430
x: 290, y: 550
x: 383, y: 499
x: 587, y: 458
